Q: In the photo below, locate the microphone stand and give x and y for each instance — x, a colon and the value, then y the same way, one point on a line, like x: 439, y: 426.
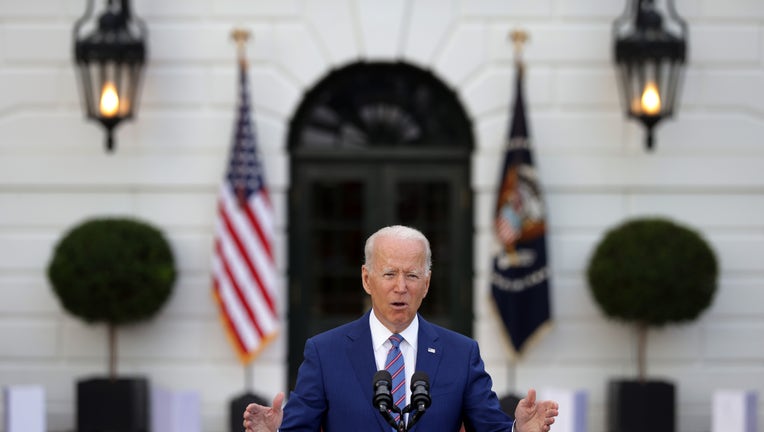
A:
x: 414, y: 416
x: 401, y: 425
x: 415, y: 413
x: 386, y: 413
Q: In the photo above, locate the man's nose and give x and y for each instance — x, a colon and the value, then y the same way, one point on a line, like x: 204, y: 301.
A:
x: 400, y: 283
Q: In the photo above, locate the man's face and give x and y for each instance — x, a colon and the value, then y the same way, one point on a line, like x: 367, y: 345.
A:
x: 397, y: 281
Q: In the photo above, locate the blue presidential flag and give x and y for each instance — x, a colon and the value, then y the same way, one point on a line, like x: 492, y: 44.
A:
x: 520, y: 276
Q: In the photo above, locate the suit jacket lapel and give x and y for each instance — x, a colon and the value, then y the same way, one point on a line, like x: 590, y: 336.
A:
x: 429, y: 351
x: 361, y: 355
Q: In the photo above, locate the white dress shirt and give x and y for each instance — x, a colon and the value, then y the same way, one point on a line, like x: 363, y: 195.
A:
x: 380, y: 336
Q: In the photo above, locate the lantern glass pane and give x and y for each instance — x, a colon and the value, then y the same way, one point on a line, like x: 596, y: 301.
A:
x: 109, y: 82
x: 130, y: 82
x: 673, y: 84
x: 86, y: 86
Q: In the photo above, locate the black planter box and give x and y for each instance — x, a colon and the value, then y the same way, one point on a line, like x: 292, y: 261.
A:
x: 237, y: 407
x: 120, y: 405
x: 635, y: 406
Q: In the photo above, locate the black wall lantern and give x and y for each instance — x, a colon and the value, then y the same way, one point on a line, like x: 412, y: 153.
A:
x: 650, y: 51
x: 110, y: 51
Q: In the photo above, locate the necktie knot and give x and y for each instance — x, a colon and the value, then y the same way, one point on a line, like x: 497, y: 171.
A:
x: 396, y: 339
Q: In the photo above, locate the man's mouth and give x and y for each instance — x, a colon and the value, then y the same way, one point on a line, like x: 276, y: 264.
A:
x: 398, y: 304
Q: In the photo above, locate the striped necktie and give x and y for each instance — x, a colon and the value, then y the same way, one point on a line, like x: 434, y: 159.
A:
x: 394, y: 365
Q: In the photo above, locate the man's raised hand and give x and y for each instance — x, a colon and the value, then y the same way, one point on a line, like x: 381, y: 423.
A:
x: 258, y: 418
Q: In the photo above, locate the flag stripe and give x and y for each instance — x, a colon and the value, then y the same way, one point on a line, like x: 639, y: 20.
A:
x: 234, y: 309
x: 246, y: 258
x: 258, y: 222
x: 249, y: 239
x: 226, y: 317
x: 246, y: 284
x: 238, y: 276
x: 240, y: 299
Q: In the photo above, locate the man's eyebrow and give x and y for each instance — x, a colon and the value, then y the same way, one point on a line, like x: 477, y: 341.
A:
x: 395, y: 270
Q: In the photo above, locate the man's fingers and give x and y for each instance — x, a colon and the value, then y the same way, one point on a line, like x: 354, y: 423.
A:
x: 531, y: 398
x: 550, y: 406
x: 277, y: 401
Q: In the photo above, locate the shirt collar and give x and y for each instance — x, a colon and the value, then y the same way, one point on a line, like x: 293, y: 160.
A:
x: 380, y: 334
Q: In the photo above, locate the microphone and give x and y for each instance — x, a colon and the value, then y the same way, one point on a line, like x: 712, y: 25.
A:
x: 383, y: 398
x: 420, y: 391
x: 420, y: 397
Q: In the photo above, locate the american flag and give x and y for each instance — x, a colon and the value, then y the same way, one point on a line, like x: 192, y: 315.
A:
x: 243, y: 268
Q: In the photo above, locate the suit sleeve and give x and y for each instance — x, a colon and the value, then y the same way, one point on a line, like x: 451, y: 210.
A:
x: 306, y: 407
x: 482, y: 411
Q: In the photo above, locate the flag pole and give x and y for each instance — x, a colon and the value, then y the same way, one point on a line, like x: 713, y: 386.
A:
x: 237, y: 197
x: 518, y: 37
x: 239, y: 403
x: 241, y: 37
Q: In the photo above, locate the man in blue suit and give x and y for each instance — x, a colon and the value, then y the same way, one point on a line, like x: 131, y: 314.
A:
x: 334, y: 390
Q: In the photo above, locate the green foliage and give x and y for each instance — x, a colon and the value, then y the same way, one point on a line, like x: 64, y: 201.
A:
x: 112, y: 270
x: 652, y: 271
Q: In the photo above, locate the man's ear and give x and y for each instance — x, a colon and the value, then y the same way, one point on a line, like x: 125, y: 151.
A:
x: 365, y: 279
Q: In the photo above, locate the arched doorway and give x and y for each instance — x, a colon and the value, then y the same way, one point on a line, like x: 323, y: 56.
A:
x: 376, y: 144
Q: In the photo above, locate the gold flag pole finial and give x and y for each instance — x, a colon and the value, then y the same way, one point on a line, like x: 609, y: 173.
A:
x: 518, y: 38
x: 241, y: 36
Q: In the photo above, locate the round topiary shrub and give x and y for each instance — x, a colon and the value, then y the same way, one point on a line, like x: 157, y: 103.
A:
x: 651, y: 272
x: 112, y: 270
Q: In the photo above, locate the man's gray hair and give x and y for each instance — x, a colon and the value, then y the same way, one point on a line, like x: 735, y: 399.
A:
x: 400, y: 232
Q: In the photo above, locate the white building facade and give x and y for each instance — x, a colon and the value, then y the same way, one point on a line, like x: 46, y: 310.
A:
x: 706, y: 171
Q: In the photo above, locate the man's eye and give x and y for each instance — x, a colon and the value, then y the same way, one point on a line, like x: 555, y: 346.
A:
x: 412, y: 276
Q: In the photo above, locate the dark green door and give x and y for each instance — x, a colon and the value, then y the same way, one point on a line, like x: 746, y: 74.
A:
x: 336, y: 205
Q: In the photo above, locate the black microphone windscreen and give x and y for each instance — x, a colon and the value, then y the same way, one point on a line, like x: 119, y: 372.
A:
x: 383, y: 375
x: 420, y: 394
x: 420, y: 376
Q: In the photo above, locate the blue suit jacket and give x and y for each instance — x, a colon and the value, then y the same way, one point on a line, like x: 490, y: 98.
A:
x: 334, y: 387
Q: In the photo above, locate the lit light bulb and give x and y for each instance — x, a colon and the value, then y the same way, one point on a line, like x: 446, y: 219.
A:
x: 109, y: 100
x: 651, y: 99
